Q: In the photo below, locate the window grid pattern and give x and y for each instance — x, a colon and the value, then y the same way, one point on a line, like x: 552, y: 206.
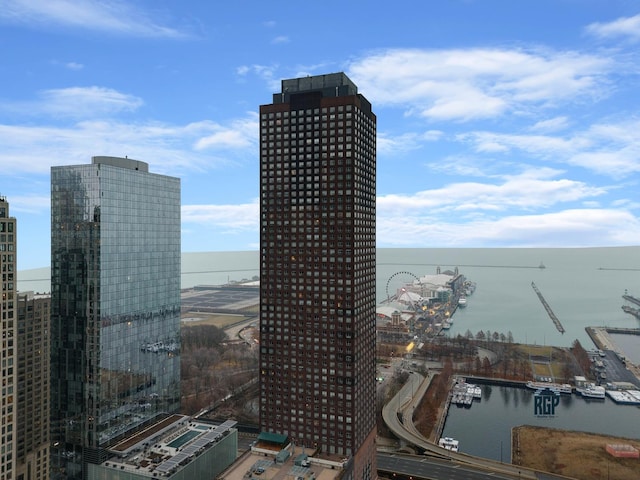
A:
x: 317, y: 220
x: 115, y: 267
x: 8, y: 355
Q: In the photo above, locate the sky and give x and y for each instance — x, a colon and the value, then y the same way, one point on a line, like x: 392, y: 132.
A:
x: 500, y: 123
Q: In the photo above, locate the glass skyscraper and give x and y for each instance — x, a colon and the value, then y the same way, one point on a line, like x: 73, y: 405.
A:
x: 115, y: 306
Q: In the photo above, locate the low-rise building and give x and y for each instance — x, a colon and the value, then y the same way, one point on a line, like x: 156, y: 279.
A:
x: 176, y: 448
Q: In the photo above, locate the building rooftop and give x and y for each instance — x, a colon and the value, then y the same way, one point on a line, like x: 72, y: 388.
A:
x: 266, y: 462
x: 164, y: 447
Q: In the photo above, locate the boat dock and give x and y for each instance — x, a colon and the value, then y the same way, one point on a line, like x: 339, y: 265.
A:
x: 546, y: 306
x: 464, y: 393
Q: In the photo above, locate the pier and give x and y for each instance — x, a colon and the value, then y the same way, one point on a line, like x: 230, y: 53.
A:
x: 631, y: 299
x: 546, y: 306
x: 632, y: 311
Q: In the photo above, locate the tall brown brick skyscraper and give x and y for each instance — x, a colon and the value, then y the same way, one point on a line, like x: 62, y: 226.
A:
x: 317, y: 279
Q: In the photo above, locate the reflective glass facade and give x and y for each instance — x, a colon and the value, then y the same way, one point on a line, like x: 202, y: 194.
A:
x: 317, y: 273
x: 115, y: 280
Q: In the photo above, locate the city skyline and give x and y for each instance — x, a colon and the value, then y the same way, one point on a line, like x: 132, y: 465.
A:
x: 499, y: 125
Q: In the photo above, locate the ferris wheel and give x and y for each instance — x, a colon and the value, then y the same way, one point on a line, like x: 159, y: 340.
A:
x: 399, y: 280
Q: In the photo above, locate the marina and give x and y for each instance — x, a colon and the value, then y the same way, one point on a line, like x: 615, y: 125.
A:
x: 625, y: 397
x: 485, y: 429
x: 463, y: 394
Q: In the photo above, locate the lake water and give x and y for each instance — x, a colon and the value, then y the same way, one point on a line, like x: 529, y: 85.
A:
x: 584, y: 287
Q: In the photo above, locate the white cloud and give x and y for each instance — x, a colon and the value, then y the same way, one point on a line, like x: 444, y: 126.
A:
x: 393, y: 145
x: 173, y: 148
x: 529, y: 190
x: 622, y: 27
x: 30, y: 203
x: 265, y: 72
x: 461, y: 166
x: 540, y: 145
x: 607, y: 149
x: 113, y: 16
x: 551, y: 125
x: 238, y: 135
x: 280, y: 39
x: 243, y: 70
x: 74, y: 66
x: 227, y: 218
x: 84, y: 102
x: 477, y: 83
x: 576, y: 227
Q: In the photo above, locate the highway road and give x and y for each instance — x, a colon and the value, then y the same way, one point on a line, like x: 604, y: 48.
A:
x: 417, y: 467
x: 403, y: 403
x: 391, y: 465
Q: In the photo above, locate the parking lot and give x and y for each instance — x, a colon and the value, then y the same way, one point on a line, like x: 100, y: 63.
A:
x: 220, y: 299
x: 614, y: 370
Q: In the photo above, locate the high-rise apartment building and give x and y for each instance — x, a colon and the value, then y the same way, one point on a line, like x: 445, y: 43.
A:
x: 8, y: 233
x: 32, y: 442
x: 317, y: 272
x: 115, y: 306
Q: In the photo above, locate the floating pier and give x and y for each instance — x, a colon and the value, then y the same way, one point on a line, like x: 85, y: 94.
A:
x: 464, y: 393
x: 546, y: 306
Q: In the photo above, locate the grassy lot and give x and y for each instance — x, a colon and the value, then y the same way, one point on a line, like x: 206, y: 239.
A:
x: 549, y: 361
x: 218, y: 320
x: 573, y: 454
x: 541, y: 369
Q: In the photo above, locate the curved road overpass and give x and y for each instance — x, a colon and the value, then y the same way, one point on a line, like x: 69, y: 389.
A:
x: 404, y: 403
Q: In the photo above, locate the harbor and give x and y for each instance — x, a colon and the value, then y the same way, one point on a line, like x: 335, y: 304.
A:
x: 463, y: 394
x: 485, y: 429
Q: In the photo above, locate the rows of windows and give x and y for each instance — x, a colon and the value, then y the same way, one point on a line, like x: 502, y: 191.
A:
x: 317, y: 180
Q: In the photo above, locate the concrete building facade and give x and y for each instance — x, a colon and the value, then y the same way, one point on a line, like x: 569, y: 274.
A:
x: 8, y: 316
x: 317, y: 272
x: 115, y: 306
x: 32, y: 448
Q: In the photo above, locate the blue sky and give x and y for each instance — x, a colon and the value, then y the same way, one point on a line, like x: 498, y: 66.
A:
x: 500, y: 123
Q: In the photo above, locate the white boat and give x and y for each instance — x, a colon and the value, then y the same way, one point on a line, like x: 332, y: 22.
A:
x: 446, y: 325
x: 462, y: 302
x: 592, y: 391
x: 449, y: 443
x: 559, y: 387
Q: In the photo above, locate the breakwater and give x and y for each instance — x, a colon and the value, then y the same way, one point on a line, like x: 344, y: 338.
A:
x: 630, y: 298
x: 546, y: 306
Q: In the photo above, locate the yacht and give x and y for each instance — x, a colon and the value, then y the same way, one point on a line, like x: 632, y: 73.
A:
x: 592, y: 391
x: 559, y: 387
x: 449, y: 443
